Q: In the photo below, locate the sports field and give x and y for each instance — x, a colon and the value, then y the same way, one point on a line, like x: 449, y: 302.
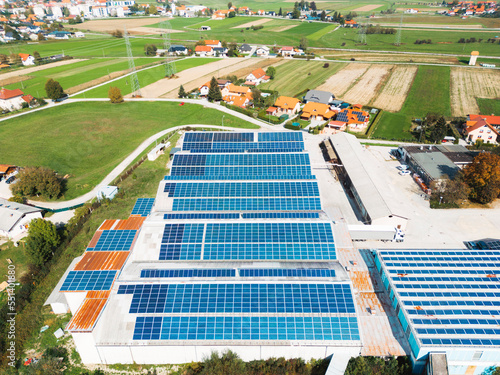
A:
x: 295, y: 76
x: 146, y: 77
x: 87, y: 140
x: 77, y: 74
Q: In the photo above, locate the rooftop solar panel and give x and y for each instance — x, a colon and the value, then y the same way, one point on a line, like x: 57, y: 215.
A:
x: 244, y: 173
x: 240, y: 159
x: 286, y: 272
x: 246, y: 204
x: 240, y: 177
x: 143, y: 206
x: 115, y: 240
x: 178, y: 273
x: 88, y: 280
x: 280, y: 137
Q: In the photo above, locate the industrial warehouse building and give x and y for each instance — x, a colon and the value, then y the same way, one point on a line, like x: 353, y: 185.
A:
x: 234, y: 252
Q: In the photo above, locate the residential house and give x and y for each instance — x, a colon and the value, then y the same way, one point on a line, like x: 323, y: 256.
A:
x: 27, y: 59
x: 59, y: 35
x: 287, y: 105
x: 239, y: 96
x: 480, y: 129
x: 316, y: 112
x: 244, y: 10
x: 257, y: 77
x: 213, y: 43
x: 287, y: 51
x: 223, y: 83
x: 411, y: 11
x: 334, y: 127
x: 245, y: 48
x: 350, y: 23
x: 262, y: 51
x: 237, y: 100
x: 178, y: 49
x: 318, y: 96
x: 219, y: 51
x: 272, y: 111
x: 15, y: 218
x: 237, y: 90
x: 11, y: 99
x: 6, y: 169
x: 356, y: 119
x: 220, y: 14
x: 492, y: 120
x: 203, y: 51
x: 261, y: 12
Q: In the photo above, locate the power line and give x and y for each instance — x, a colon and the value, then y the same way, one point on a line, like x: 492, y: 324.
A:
x: 134, y: 81
x: 169, y: 59
x: 398, y: 33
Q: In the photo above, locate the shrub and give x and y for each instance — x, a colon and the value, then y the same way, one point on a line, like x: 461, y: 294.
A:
x: 36, y: 181
x: 115, y: 95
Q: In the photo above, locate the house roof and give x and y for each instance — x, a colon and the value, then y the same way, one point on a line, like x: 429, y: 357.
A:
x: 203, y: 49
x: 286, y: 102
x: 12, y: 212
x: 24, y: 56
x: 317, y: 109
x: 479, y: 124
x: 287, y: 48
x: 5, y: 167
x: 27, y: 98
x: 271, y: 109
x: 493, y: 120
x: 212, y: 42
x: 9, y: 94
x: 238, y: 89
x: 318, y: 96
x: 245, y: 47
x: 237, y: 100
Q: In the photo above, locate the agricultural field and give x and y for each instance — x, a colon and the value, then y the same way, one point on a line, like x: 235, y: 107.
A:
x: 146, y: 77
x: 489, y: 106
x: 340, y: 82
x: 97, y: 137
x: 392, y: 96
x: 436, y: 20
x: 295, y: 76
x: 368, y: 85
x: 76, y: 76
x: 428, y: 93
x: 469, y: 84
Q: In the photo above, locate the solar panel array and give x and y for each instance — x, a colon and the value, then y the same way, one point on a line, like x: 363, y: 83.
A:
x: 243, y: 197
x: 143, y: 206
x: 88, y: 280
x: 445, y: 297
x: 115, y: 240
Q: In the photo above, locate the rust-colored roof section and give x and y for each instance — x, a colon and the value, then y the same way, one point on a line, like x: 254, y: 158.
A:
x: 133, y: 222
x: 95, y: 239
x: 98, y: 294
x: 108, y: 224
x: 88, y: 313
x: 102, y: 260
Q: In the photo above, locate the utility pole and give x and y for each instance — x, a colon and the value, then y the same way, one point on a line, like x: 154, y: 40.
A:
x: 134, y: 81
x: 398, y: 33
x: 169, y: 60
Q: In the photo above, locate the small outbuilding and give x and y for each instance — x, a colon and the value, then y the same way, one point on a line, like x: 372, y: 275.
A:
x: 15, y: 218
x: 107, y: 192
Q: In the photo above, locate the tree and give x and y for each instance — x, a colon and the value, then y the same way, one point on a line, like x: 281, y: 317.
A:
x: 304, y: 43
x: 153, y: 9
x: 227, y: 364
x: 66, y: 12
x: 150, y: 49
x: 323, y: 16
x: 182, y: 92
x: 115, y: 95
x: 271, y: 72
x: 214, y: 94
x: 40, y: 37
x: 229, y: 5
x: 37, y: 57
x: 231, y: 14
x: 449, y: 191
x: 117, y: 33
x: 4, y: 58
x: 280, y: 13
x: 257, y: 97
x: 42, y: 241
x: 438, y: 130
x: 296, y: 14
x: 36, y: 181
x: 15, y: 59
x: 483, y: 177
x: 54, y: 89
x: 17, y: 199
x: 312, y: 6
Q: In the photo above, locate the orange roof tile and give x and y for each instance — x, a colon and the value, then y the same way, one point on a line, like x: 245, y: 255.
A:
x: 95, y: 238
x: 108, y: 224
x: 133, y: 222
x: 86, y: 317
x: 211, y: 42
x: 102, y: 260
x: 9, y: 94
x: 203, y: 49
x: 259, y: 73
x: 238, y: 89
x: 286, y: 102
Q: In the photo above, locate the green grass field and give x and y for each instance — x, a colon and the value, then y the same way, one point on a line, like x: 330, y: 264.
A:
x: 430, y: 92
x: 75, y: 74
x: 488, y: 106
x: 87, y: 140
x: 295, y: 76
x: 146, y: 77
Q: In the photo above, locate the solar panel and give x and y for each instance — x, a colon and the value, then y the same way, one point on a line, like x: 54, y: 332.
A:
x: 222, y: 147
x: 240, y: 177
x: 280, y: 137
x: 240, y: 298
x: 280, y: 215
x: 143, y: 206
x: 240, y: 159
x: 174, y: 273
x: 267, y: 251
x: 88, y: 280
x: 246, y: 204
x: 286, y: 272
x: 245, y: 173
x: 238, y: 328
x: 209, y: 216
x: 115, y: 240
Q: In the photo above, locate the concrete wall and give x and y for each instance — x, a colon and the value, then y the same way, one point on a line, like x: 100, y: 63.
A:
x: 85, y: 344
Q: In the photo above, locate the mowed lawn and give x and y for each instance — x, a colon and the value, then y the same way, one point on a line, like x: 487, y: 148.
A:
x: 75, y: 74
x: 295, y: 76
x: 488, y: 106
x: 430, y: 92
x: 146, y: 77
x: 87, y: 140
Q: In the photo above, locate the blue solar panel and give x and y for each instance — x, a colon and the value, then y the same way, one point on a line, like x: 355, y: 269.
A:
x: 280, y: 215
x: 286, y: 272
x: 115, y: 240
x: 244, y: 172
x: 180, y: 252
x: 222, y: 147
x: 88, y: 280
x: 270, y: 328
x: 246, y: 204
x: 260, y: 251
x: 172, y: 273
x: 143, y: 206
x: 240, y: 298
x: 240, y: 159
x: 242, y: 189
x: 280, y: 137
x: 241, y: 177
x: 205, y: 216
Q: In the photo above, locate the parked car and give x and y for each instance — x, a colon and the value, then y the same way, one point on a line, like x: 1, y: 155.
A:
x: 404, y: 172
x: 402, y: 167
x: 10, y: 180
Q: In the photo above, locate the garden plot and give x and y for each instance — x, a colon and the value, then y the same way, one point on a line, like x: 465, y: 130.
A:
x: 469, y: 84
x: 368, y: 85
x: 394, y: 93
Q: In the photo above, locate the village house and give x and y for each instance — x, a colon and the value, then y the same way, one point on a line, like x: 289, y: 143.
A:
x: 15, y: 218
x: 479, y: 129
x: 318, y: 96
x: 257, y: 77
x: 27, y: 59
x: 492, y: 120
x: 262, y: 51
x: 356, y: 119
x: 203, y: 51
x: 334, y: 127
x: 286, y: 105
x: 177, y: 49
x: 245, y: 48
x: 6, y: 170
x: 12, y: 100
x: 316, y: 112
x: 223, y: 83
x: 287, y: 51
x: 213, y: 43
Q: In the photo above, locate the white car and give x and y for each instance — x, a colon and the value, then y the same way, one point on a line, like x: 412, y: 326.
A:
x: 402, y: 167
x: 404, y: 172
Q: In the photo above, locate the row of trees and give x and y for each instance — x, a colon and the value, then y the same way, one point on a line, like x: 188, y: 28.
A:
x: 15, y: 59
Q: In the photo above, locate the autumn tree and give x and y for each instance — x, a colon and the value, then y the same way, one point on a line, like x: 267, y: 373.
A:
x: 115, y: 95
x: 153, y: 9
x: 38, y: 181
x: 214, y: 94
x: 483, y: 177
x: 42, y: 241
x: 54, y: 89
x: 15, y: 59
x: 449, y: 191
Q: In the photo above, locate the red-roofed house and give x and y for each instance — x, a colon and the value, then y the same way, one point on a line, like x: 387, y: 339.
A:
x: 213, y: 43
x: 27, y: 59
x: 203, y: 51
x: 223, y: 84
x: 286, y: 51
x: 480, y: 129
x: 492, y: 120
x: 257, y: 77
x: 11, y: 99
